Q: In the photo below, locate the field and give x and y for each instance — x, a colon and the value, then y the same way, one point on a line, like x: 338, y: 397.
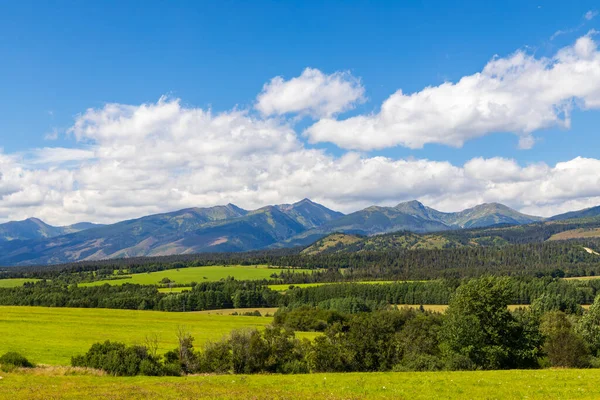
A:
x: 195, y: 274
x: 576, y: 234
x: 53, y: 335
x: 284, y: 287
x: 532, y: 384
x: 8, y: 283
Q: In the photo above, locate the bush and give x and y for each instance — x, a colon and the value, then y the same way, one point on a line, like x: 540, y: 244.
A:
x: 564, y: 347
x: 419, y: 362
x: 14, y: 359
x: 119, y: 360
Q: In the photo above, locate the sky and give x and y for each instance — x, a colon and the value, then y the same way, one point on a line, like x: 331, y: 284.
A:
x: 118, y: 109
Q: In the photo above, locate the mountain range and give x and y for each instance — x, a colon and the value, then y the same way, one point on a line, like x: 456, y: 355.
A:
x: 229, y: 228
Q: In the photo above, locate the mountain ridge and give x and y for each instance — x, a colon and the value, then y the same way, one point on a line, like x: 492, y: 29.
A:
x: 229, y: 228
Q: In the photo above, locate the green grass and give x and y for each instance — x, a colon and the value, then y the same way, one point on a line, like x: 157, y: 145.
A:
x: 284, y: 287
x: 533, y: 384
x: 195, y: 274
x: 175, y: 289
x: 53, y: 335
x: 9, y: 283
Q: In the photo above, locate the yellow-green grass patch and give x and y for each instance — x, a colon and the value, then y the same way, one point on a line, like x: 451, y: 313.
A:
x: 284, y: 287
x: 576, y: 234
x: 442, y: 307
x: 15, y: 282
x: 231, y: 311
x: 515, y: 384
x: 195, y: 274
x: 53, y: 335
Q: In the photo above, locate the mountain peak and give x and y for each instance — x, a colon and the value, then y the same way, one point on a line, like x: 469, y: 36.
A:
x: 304, y: 201
x: 412, y: 204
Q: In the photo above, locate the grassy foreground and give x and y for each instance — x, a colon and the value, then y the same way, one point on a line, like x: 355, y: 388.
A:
x: 53, y: 335
x: 534, y: 384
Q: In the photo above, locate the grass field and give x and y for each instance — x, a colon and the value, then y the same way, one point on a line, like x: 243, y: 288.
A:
x: 195, y: 274
x: 284, y: 287
x: 8, y: 283
x: 53, y: 335
x: 516, y: 384
x: 582, y: 278
x: 576, y: 234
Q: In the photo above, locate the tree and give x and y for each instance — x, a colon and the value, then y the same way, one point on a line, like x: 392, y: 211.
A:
x: 563, y: 346
x: 589, y: 327
x: 187, y: 358
x: 479, y: 326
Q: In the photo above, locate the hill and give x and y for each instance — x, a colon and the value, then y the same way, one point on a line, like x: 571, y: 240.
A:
x: 585, y: 213
x: 216, y: 229
x: 537, y: 232
x: 229, y: 228
x: 34, y: 228
x: 414, y: 217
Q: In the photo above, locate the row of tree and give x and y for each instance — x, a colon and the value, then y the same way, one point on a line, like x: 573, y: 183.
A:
x: 343, y: 297
x: 476, y: 332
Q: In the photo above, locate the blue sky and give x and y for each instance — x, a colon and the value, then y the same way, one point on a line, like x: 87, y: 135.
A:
x: 59, y: 59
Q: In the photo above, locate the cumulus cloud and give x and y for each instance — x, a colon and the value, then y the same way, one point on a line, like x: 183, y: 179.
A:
x: 519, y: 94
x: 590, y: 15
x: 313, y: 93
x: 126, y: 161
x: 162, y: 156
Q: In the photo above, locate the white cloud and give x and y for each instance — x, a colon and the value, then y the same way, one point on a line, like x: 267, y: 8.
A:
x: 59, y: 155
x: 590, y: 15
x: 312, y: 93
x: 519, y: 94
x: 127, y: 161
x: 162, y: 156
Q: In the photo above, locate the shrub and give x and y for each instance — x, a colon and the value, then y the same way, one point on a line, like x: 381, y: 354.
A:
x: 14, y: 359
x: 564, y: 347
x: 419, y: 362
x: 119, y: 360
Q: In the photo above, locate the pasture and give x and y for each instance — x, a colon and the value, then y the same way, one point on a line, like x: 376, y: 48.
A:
x: 284, y: 287
x: 53, y: 335
x: 194, y: 274
x: 9, y: 283
x: 61, y: 383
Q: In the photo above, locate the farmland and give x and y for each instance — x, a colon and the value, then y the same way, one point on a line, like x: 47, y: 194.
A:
x: 53, y: 335
x: 8, y: 283
x: 194, y: 274
x: 59, y: 383
x: 284, y: 287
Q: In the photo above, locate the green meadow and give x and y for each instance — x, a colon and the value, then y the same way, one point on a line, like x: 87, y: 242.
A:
x: 58, y: 383
x: 53, y: 335
x: 284, y: 287
x: 8, y: 283
x: 194, y: 274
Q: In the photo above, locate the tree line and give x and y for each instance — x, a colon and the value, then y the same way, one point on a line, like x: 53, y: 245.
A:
x: 476, y: 332
x: 231, y: 293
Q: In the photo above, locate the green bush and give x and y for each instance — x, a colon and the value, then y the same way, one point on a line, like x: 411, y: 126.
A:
x: 120, y: 360
x: 15, y: 359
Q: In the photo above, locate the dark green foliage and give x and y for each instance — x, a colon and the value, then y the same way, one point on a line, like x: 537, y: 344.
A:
x: 307, y: 318
x: 589, y: 327
x: 250, y: 351
x: 556, y: 302
x: 563, y: 346
x: 14, y: 359
x: 479, y: 326
x: 120, y: 360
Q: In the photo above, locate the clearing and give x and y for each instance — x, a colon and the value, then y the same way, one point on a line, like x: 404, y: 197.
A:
x: 195, y: 274
x: 580, y: 233
x: 9, y: 283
